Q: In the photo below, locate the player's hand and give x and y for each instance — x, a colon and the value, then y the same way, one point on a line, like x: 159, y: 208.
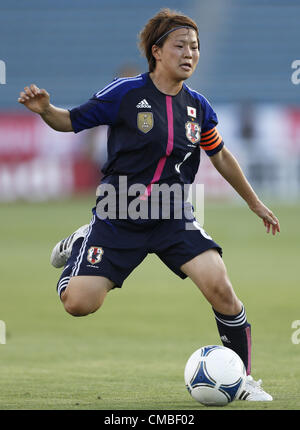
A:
x: 35, y: 99
x: 269, y: 219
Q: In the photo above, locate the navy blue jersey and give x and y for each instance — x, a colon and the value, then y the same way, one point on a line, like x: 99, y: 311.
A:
x: 153, y: 138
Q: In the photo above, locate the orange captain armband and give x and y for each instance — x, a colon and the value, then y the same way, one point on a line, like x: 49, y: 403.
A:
x: 210, y: 139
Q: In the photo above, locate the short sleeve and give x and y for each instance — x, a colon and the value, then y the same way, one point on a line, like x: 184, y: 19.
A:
x: 101, y: 109
x: 211, y: 141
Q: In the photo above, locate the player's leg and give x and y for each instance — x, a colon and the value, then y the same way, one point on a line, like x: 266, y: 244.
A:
x: 208, y: 272
x: 80, y: 295
x: 85, y: 294
x: 62, y: 250
x: 90, y: 270
x: 189, y: 251
x: 197, y: 256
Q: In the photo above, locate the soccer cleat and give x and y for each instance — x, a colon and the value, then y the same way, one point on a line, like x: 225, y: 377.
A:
x: 253, y: 391
x: 62, y: 250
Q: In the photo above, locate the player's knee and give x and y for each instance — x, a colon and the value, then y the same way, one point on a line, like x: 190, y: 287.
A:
x: 79, y: 309
x: 84, y: 296
x: 78, y: 306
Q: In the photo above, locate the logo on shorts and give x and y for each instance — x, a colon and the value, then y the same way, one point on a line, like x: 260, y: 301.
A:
x: 193, y: 131
x: 95, y: 254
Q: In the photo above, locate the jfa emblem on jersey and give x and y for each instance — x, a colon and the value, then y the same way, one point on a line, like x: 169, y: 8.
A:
x: 95, y: 254
x: 193, y: 131
x: 145, y: 121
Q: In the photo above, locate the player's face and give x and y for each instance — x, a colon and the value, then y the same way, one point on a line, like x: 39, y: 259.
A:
x: 179, y: 55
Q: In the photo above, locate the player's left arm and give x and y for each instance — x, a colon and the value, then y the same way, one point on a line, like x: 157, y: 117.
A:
x: 229, y: 168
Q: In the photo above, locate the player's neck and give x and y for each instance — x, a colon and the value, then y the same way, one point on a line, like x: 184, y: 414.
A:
x: 166, y: 85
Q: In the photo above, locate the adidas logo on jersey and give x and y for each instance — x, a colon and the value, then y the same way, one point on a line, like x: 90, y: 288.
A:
x: 143, y: 104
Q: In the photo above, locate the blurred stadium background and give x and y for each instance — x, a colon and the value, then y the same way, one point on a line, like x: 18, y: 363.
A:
x: 75, y: 48
x: 131, y: 354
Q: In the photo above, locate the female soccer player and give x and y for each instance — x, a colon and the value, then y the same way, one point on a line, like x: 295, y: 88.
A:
x: 157, y: 127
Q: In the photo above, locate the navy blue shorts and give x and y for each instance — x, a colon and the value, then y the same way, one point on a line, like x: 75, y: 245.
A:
x: 114, y: 248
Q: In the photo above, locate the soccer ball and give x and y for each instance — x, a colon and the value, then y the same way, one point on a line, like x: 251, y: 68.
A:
x: 214, y: 375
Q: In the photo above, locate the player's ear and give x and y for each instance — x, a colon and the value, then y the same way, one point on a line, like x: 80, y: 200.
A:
x: 156, y: 52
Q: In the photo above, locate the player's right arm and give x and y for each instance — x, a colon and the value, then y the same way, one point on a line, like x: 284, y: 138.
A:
x: 38, y: 100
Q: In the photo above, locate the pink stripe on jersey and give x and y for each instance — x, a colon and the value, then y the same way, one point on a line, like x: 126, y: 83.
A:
x: 248, y: 335
x: 170, y: 146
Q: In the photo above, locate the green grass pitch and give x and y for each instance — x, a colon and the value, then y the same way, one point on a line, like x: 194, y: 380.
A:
x: 131, y: 353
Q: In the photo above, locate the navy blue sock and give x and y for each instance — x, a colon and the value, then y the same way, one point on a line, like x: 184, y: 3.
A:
x: 235, y: 333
